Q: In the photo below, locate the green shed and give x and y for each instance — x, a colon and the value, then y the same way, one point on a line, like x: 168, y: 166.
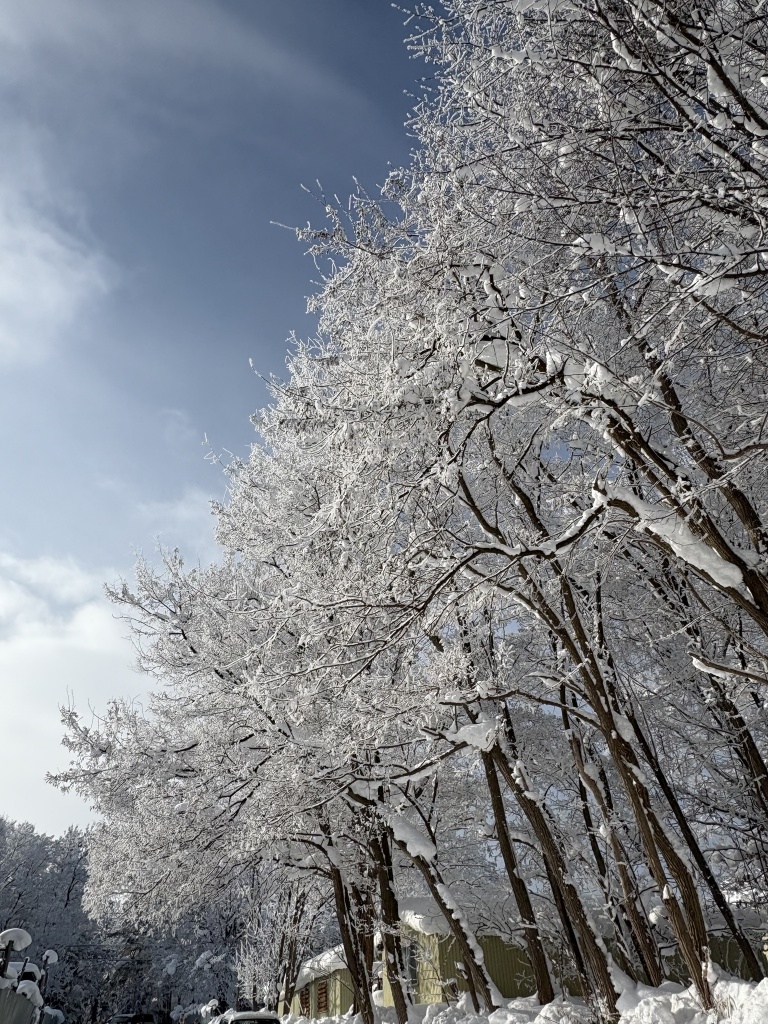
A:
x: 434, y: 964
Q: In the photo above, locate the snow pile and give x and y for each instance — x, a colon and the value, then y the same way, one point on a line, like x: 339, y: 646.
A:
x: 18, y: 936
x: 665, y: 524
x: 421, y: 914
x: 736, y: 1002
x: 417, y: 844
x: 518, y: 1011
x: 209, y: 1010
x: 30, y: 991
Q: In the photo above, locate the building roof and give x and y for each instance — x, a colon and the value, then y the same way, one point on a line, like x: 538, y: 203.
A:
x: 321, y: 966
x: 421, y: 914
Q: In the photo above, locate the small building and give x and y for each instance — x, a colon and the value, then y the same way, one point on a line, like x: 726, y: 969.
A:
x: 323, y: 987
x: 434, y: 966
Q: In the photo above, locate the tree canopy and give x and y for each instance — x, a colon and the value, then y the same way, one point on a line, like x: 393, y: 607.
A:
x: 490, y: 621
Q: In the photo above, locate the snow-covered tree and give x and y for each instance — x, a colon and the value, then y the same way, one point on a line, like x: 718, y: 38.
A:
x: 494, y: 605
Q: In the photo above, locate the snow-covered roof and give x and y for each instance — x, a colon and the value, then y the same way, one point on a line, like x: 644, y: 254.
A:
x: 421, y: 914
x: 321, y: 966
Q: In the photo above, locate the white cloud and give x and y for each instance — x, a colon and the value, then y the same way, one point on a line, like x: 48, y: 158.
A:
x: 59, y: 643
x: 50, y: 580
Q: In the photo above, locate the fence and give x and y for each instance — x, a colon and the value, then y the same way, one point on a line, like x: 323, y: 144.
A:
x: 15, y: 1009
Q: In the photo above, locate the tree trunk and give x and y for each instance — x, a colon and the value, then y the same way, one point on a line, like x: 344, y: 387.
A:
x: 590, y: 654
x: 685, y: 914
x: 394, y: 961
x: 291, y: 961
x: 471, y: 953
x: 353, y: 951
x: 634, y: 919
x: 536, y: 953
x: 601, y: 993
x: 700, y: 860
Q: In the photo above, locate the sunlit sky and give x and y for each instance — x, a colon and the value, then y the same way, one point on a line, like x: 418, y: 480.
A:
x: 147, y: 147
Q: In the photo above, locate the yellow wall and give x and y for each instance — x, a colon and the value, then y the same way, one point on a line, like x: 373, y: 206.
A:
x: 340, y: 995
x: 340, y: 992
x: 427, y: 988
x: 438, y: 966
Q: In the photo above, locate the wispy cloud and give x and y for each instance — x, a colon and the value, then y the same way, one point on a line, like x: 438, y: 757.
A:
x: 59, y: 643
x: 44, y: 583
x: 118, y: 34
x: 51, y: 272
x: 179, y: 431
x: 185, y: 522
x: 101, y: 70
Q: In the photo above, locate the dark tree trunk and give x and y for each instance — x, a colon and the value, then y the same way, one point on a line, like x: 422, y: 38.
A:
x: 592, y: 657
x: 533, y: 944
x: 291, y: 960
x: 599, y: 990
x: 394, y: 961
x: 353, y: 951
x: 633, y: 917
x: 700, y: 860
x: 465, y: 940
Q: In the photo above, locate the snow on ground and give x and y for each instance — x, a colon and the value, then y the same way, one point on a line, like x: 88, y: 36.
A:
x: 736, y: 1002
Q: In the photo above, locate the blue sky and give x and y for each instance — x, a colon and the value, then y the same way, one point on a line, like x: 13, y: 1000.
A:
x: 147, y: 147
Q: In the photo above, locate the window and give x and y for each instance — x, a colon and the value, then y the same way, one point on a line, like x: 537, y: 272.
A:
x: 304, y: 1001
x: 322, y: 997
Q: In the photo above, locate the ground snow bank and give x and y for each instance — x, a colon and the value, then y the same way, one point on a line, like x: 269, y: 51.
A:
x: 736, y: 1002
x: 518, y: 1011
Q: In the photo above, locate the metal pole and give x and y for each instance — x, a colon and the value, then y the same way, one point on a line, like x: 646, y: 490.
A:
x: 6, y: 958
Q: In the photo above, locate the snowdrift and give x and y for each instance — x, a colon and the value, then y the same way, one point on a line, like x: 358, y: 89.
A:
x: 737, y: 1002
